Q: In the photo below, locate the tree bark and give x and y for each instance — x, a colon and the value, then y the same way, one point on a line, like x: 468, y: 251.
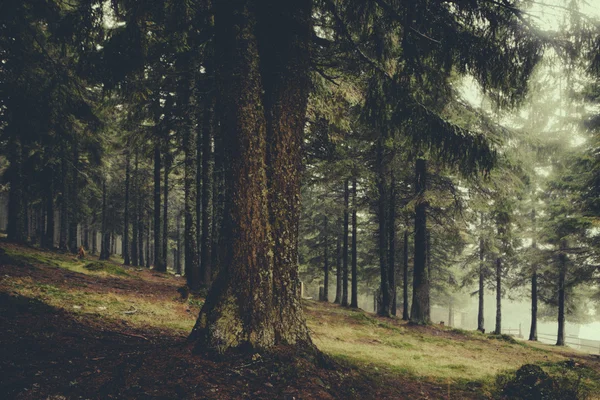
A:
x: 345, y: 248
x: 254, y: 302
x: 420, y: 312
x: 354, y: 297
x: 125, y: 240
x: 284, y: 39
x: 325, y: 259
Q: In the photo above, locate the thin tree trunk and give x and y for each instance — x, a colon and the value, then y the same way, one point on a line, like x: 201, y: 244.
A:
x: 49, y: 236
x: 158, y: 264
x: 384, y: 309
x: 562, y: 273
x: 207, y: 195
x: 218, y: 197
x: 74, y: 202
x: 354, y: 298
x: 64, y: 204
x: 481, y: 294
x: 338, y: 271
x: 192, y: 267
x: 405, y: 314
x: 104, y: 250
x: 199, y: 185
x: 345, y: 248
x: 148, y: 252
x: 17, y: 211
x: 177, y: 261
x: 420, y: 312
x: 140, y: 222
x: 534, y: 277
x: 498, y: 329
x: 125, y: 240
x: 136, y: 211
x: 392, y: 244
x: 325, y: 260
x: 165, y: 217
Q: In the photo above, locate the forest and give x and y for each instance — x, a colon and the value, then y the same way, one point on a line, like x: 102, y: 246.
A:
x: 308, y: 199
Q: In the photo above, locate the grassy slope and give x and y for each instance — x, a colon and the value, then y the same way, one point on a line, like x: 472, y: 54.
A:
x: 432, y: 361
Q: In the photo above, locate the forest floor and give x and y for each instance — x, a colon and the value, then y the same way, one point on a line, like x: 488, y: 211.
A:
x: 73, y: 329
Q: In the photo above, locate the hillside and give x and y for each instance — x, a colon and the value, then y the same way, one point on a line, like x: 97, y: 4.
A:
x: 86, y: 329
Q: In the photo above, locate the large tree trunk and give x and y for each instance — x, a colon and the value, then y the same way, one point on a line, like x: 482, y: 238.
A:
x: 405, y: 313
x: 480, y: 310
x: 420, y: 311
x: 345, y: 248
x: 254, y: 302
x: 207, y: 187
x: 392, y: 243
x: 158, y: 264
x: 325, y: 259
x: 534, y: 291
x: 562, y: 273
x: 125, y: 240
x: 284, y: 34
x: 338, y: 271
x: 354, y: 298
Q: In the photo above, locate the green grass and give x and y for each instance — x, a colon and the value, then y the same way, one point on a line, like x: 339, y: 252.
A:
x: 108, y: 267
x: 136, y: 310
x: 444, y: 356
